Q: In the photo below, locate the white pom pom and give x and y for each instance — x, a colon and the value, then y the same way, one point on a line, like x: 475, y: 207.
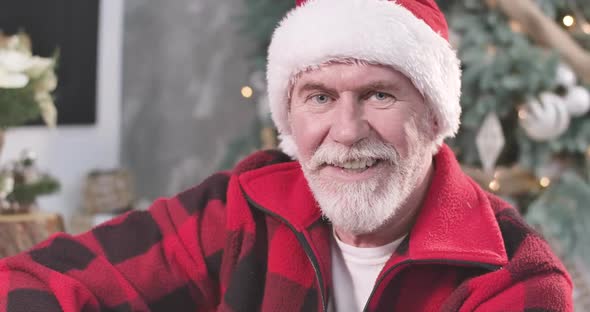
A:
x: 545, y: 119
x: 565, y: 76
x: 577, y: 101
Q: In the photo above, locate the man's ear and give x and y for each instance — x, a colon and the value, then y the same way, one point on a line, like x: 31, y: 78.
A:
x: 430, y: 125
x: 431, y: 131
x: 289, y: 121
x: 435, y: 125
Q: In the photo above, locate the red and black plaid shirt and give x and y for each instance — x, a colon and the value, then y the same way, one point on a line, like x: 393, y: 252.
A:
x: 254, y: 240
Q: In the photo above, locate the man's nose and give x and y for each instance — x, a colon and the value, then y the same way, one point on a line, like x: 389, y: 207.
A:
x: 349, y: 124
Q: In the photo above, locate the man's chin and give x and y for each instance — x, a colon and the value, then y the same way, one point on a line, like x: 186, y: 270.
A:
x: 357, y: 208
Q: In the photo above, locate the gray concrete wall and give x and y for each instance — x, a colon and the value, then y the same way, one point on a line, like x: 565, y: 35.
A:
x: 184, y: 64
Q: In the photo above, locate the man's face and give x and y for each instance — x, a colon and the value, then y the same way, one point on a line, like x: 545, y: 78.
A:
x: 361, y: 139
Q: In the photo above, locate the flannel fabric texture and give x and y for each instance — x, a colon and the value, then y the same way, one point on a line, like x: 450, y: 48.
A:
x: 253, y: 239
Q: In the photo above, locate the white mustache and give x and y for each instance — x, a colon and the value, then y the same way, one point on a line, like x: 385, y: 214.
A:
x: 334, y: 153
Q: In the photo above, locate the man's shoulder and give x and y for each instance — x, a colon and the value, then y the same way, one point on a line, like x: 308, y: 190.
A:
x: 215, y: 187
x: 513, y: 227
x: 533, y: 272
x: 527, y: 250
x: 260, y: 159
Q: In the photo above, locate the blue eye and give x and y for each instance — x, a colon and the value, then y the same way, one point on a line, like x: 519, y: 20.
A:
x: 380, y: 96
x: 321, y: 98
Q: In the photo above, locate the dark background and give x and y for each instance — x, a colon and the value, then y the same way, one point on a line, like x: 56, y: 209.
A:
x: 71, y: 27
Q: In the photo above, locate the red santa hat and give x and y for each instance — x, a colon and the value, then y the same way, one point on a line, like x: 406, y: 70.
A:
x: 411, y: 36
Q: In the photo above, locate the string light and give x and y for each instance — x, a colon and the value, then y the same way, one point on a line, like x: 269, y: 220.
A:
x: 494, y: 185
x: 545, y: 182
x: 522, y: 114
x: 247, y: 92
x: 568, y: 20
x: 515, y: 26
x: 586, y: 28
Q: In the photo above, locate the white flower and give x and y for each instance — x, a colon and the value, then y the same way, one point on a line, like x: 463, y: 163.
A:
x: 6, y: 184
x: 13, y: 65
x: 18, y: 42
x: 38, y: 66
x: 19, y: 68
x: 47, y: 83
x: 15, y: 61
x: 48, y: 110
x: 10, y: 80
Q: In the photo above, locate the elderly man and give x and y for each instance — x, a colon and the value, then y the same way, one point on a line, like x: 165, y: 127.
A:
x: 374, y: 215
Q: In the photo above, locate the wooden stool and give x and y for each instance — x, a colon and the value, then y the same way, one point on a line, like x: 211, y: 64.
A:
x: 19, y: 232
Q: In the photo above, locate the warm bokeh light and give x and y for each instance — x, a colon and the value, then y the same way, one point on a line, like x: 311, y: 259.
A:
x: 522, y: 113
x: 247, y: 92
x: 544, y: 181
x: 568, y: 20
x: 494, y: 185
x: 515, y: 26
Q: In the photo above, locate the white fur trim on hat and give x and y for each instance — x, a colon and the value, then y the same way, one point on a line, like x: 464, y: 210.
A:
x: 376, y: 31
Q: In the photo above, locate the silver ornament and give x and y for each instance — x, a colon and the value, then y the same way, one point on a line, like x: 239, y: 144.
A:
x: 490, y: 142
x: 546, y: 118
x: 565, y: 76
x: 577, y: 101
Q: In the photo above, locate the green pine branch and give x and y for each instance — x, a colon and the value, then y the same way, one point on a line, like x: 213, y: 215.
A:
x: 28, y: 193
x: 17, y: 106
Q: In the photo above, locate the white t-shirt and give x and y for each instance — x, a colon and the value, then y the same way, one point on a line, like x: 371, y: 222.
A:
x: 354, y: 272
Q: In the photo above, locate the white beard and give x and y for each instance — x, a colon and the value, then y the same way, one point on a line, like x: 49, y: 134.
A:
x: 366, y: 206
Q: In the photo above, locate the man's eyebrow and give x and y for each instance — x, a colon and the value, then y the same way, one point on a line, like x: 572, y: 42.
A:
x: 315, y: 86
x: 381, y: 85
x: 376, y: 85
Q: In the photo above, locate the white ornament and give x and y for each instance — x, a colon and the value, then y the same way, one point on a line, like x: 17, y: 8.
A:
x: 545, y: 119
x: 577, y: 100
x: 490, y: 141
x: 565, y: 76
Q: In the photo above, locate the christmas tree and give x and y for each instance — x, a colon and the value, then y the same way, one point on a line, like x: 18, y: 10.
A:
x: 526, y: 71
x: 525, y: 132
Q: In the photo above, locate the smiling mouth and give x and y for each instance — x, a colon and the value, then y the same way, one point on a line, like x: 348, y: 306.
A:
x: 358, y: 165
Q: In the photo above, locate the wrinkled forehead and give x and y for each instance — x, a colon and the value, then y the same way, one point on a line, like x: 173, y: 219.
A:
x: 341, y: 61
